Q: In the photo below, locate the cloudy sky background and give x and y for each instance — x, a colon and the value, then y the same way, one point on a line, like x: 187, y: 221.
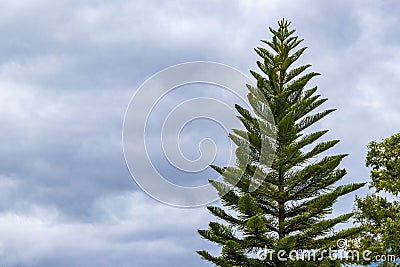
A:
x: 68, y: 70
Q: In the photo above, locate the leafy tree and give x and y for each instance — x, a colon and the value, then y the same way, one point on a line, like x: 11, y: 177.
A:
x: 380, y: 216
x: 294, y: 191
x: 384, y: 159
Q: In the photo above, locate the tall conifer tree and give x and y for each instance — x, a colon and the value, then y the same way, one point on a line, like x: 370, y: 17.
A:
x: 294, y: 188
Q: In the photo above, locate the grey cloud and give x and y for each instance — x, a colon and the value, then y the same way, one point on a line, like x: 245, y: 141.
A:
x: 68, y: 70
x: 123, y: 235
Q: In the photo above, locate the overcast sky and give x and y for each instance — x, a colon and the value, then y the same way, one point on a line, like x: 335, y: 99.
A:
x: 68, y: 70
